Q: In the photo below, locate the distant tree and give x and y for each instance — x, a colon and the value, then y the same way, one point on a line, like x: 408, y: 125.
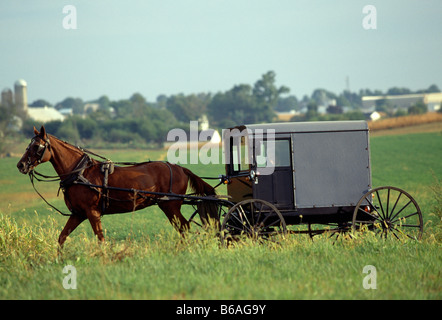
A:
x: 188, y: 108
x: 68, y: 131
x: 312, y: 111
x: 287, y: 104
x: 266, y: 92
x: 398, y: 91
x: 384, y: 105
x: 418, y: 108
x: 347, y: 98
x: 322, y: 97
x: 232, y: 107
x: 244, y: 105
x: 6, y: 117
x: 104, y: 102
x: 86, y: 127
x: 431, y: 89
x: 161, y: 101
x: 368, y: 92
x: 137, y: 99
x: 76, y: 104
x: 40, y: 103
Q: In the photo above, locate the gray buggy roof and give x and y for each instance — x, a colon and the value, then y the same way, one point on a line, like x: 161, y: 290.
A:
x: 317, y: 126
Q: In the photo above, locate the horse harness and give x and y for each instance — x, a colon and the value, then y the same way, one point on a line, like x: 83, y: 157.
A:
x: 107, y: 168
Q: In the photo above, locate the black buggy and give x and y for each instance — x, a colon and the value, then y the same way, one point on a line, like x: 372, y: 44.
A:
x: 316, y: 174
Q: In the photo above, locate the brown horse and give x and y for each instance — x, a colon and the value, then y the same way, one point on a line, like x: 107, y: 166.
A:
x: 86, y: 202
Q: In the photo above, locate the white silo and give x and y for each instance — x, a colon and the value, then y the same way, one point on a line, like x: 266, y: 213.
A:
x: 7, y: 97
x: 21, y: 96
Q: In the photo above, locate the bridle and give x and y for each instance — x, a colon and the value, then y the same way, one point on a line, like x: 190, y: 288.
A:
x: 41, y: 150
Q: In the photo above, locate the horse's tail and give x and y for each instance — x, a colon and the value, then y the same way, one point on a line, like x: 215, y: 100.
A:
x: 208, y: 210
x: 198, y: 185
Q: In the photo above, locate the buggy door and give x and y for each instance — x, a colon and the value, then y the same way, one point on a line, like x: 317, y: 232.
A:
x: 275, y: 187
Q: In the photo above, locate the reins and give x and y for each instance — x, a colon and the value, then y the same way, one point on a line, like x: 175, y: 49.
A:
x: 31, y: 177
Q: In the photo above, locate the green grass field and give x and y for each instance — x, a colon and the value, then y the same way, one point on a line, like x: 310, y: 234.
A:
x: 144, y: 258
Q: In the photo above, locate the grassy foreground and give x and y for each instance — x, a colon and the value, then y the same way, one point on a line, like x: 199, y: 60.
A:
x: 144, y: 258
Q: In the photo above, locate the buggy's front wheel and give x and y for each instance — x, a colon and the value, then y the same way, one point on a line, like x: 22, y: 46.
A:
x: 255, y: 219
x: 389, y: 212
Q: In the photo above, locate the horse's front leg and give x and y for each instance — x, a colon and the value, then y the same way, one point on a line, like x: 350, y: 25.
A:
x: 72, y: 223
x: 94, y: 217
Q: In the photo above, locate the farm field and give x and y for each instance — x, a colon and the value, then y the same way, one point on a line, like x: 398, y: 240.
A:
x: 144, y: 258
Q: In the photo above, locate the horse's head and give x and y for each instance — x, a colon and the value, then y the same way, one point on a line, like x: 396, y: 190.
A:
x: 37, y: 152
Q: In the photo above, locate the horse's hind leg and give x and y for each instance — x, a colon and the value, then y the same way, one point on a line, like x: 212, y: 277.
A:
x: 94, y: 217
x: 173, y: 213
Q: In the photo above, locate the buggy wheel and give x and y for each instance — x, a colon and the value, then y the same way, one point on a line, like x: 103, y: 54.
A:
x: 390, y: 212
x: 253, y: 218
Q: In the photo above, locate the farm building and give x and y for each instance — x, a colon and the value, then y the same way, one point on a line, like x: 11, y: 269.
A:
x: 45, y: 114
x: 432, y: 100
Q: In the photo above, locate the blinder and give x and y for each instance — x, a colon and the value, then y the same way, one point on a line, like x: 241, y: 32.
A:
x: 41, y: 149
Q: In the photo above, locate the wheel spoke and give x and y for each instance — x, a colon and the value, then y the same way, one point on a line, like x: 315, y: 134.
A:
x: 404, y: 218
x: 241, y: 222
x: 380, y: 203
x: 388, y: 201
x: 234, y: 227
x: 198, y: 224
x: 401, y: 210
x: 278, y: 221
x: 259, y: 213
x: 395, y: 204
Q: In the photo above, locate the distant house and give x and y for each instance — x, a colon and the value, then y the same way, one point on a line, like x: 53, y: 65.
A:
x: 44, y: 114
x: 211, y: 136
x: 91, y: 107
x: 433, y: 101
x: 375, y: 116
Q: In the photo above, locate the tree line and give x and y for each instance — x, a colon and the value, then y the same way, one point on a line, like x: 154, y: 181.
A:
x: 138, y: 122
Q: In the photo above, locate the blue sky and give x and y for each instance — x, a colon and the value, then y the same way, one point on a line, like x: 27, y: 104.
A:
x: 189, y: 46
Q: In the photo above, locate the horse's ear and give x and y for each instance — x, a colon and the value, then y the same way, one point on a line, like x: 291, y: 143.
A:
x: 42, y: 132
x: 36, y: 132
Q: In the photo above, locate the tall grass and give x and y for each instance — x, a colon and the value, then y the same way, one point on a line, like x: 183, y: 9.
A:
x: 167, y: 266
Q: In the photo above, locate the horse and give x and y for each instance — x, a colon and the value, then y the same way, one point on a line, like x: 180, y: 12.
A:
x: 90, y: 199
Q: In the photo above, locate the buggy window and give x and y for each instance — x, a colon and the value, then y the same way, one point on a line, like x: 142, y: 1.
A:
x: 273, y: 153
x: 240, y: 154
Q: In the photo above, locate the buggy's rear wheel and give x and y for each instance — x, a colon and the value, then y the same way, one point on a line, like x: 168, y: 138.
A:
x: 253, y: 218
x: 389, y: 212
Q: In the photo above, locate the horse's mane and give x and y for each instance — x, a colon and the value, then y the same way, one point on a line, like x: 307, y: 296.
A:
x: 67, y: 144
